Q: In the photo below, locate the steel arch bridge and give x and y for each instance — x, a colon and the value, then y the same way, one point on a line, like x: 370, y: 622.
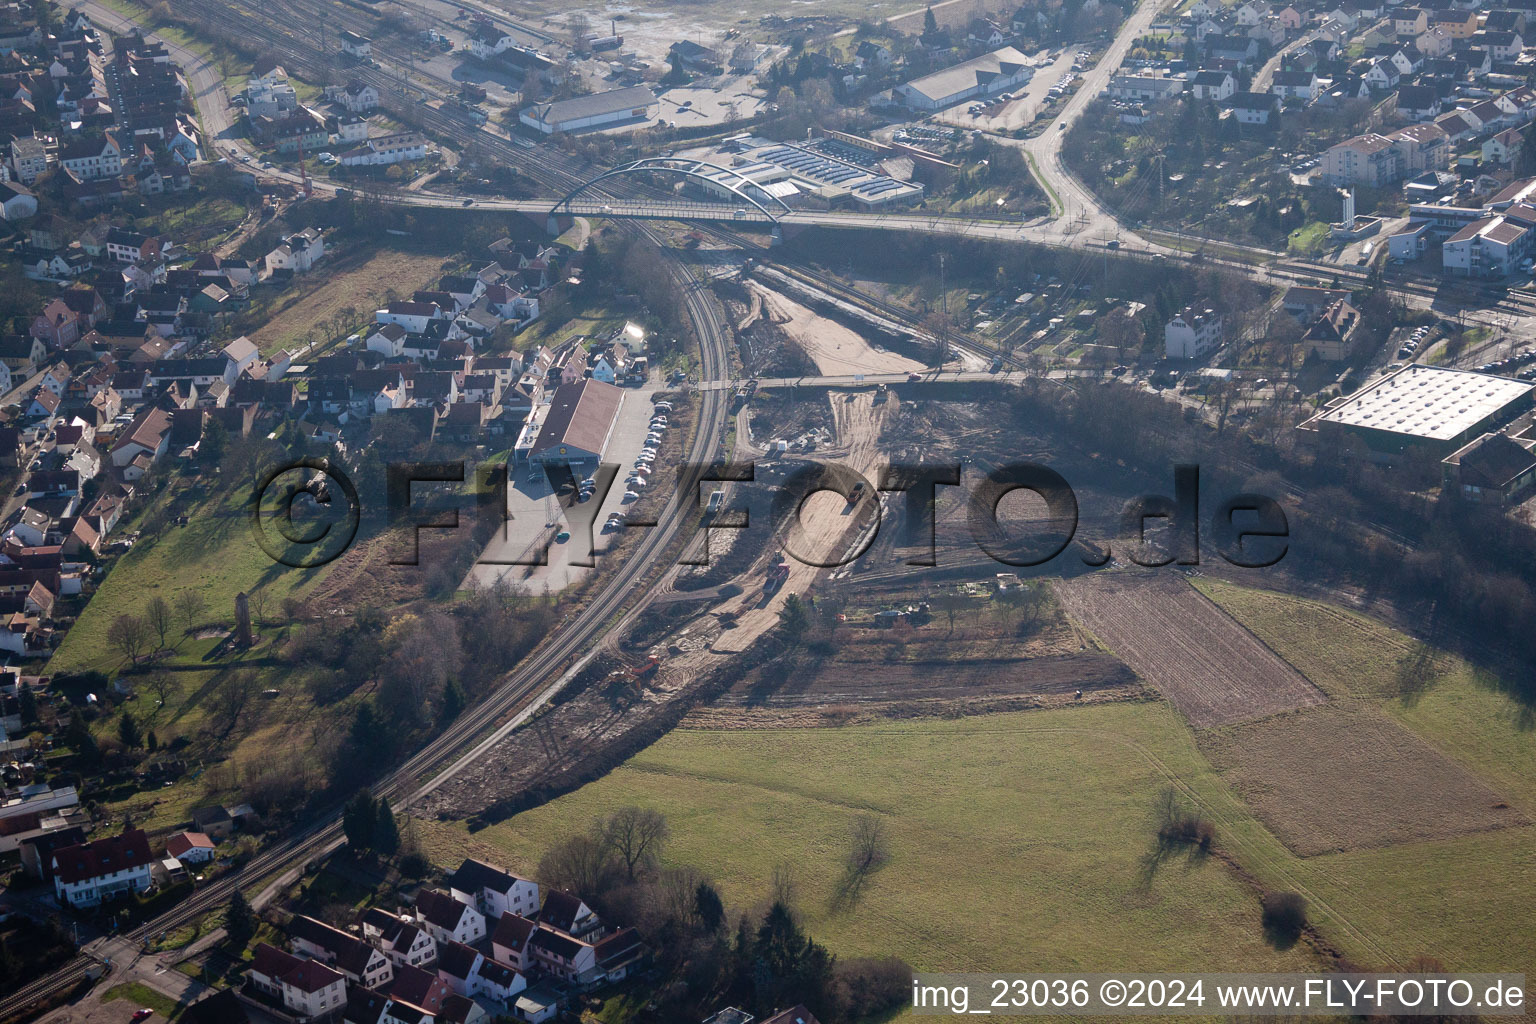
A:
x: 712, y: 174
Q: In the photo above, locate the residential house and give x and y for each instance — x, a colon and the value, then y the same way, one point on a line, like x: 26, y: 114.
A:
x: 388, y: 339
x: 1383, y: 75
x: 308, y: 988
x: 363, y: 963
x: 400, y: 939
x: 1328, y: 337
x: 1192, y: 333
x: 1410, y: 21
x: 16, y: 202
x: 148, y: 435
x: 190, y: 847
x: 86, y: 874
x: 1295, y: 85
x: 1501, y: 46
x: 1417, y: 102
x: 1504, y: 147
x: 569, y: 914
x: 1213, y: 85
x: 412, y: 316
x: 1458, y: 24
x: 91, y: 159
x: 298, y: 252
x: 509, y: 942
x: 446, y: 919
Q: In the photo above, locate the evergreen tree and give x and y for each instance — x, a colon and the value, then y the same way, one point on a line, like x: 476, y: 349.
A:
x: 788, y: 964
x: 930, y: 24
x: 707, y: 904
x: 386, y: 834
x: 152, y: 742
x: 360, y: 820
x: 239, y: 920
x: 793, y: 618
x: 78, y: 736
x: 128, y: 731
x: 28, y: 701
x: 453, y: 702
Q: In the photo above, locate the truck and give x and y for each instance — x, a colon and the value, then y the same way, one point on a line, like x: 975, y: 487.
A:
x: 775, y: 577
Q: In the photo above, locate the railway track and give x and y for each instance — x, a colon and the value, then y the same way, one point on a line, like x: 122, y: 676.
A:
x: 415, y: 776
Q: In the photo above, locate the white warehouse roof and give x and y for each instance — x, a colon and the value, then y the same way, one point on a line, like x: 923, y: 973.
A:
x: 1427, y: 401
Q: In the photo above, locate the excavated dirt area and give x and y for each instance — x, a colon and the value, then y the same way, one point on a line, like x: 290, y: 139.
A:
x: 835, y: 349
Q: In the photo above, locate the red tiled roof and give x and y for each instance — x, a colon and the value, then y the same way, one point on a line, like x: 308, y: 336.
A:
x: 102, y: 857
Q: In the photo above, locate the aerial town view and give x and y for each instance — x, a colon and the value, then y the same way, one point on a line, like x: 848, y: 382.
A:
x: 679, y: 512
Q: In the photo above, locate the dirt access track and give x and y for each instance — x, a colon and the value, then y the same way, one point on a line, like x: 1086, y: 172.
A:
x: 1207, y: 665
x: 836, y: 350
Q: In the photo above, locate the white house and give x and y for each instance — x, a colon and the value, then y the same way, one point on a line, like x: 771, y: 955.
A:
x: 413, y: 316
x: 448, y: 920
x: 1213, y: 85
x: 388, y: 340
x: 308, y: 988
x: 16, y: 202
x: 86, y: 874
x: 92, y: 158
x: 487, y: 41
x: 399, y: 938
x: 298, y: 252
x: 494, y: 891
x: 358, y: 960
x: 190, y: 847
x: 1192, y: 333
x: 387, y: 149
x: 356, y: 45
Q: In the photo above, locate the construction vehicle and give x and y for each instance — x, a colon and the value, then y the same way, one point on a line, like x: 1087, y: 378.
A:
x: 776, y: 576
x: 881, y: 394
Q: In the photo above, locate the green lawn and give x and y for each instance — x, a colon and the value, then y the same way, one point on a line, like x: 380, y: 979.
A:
x: 141, y: 995
x: 1018, y: 839
x: 1309, y: 240
x: 215, y: 554
x: 1454, y: 900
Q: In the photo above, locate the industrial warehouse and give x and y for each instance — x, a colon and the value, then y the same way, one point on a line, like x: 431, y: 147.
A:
x: 589, y: 113
x: 987, y: 75
x: 1424, y: 409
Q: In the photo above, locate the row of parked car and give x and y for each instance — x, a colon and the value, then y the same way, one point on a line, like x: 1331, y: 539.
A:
x: 639, y: 476
x: 1420, y: 336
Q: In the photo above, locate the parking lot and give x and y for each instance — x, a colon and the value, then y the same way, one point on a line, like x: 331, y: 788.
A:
x: 538, y: 518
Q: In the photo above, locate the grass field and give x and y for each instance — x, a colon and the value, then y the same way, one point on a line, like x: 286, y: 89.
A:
x: 1017, y: 838
x: 202, y: 223
x: 215, y: 554
x: 141, y: 995
x: 360, y: 284
x: 1450, y: 899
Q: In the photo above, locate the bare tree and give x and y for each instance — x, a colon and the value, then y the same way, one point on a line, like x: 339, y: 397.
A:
x: 258, y: 601
x: 868, y: 847
x: 782, y: 888
x: 159, y: 683
x: 635, y: 835
x: 580, y: 863
x: 157, y: 612
x: 130, y: 635
x: 190, y: 606
x: 235, y: 694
